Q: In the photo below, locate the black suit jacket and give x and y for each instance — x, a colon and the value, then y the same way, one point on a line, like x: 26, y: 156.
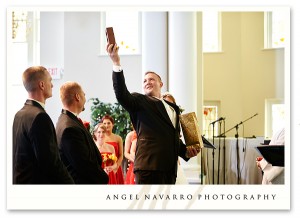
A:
x: 158, y: 142
x: 36, y: 158
x: 78, y: 150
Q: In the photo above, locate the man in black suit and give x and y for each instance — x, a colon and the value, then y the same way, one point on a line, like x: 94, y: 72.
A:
x: 76, y: 145
x: 36, y: 157
x: 156, y: 122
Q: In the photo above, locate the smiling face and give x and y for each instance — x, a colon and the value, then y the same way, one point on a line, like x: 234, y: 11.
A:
x: 152, y: 85
x: 100, y: 133
x: 108, y: 124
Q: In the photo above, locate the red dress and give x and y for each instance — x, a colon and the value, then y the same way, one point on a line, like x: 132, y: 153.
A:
x: 119, y: 173
x: 130, y: 175
x: 111, y: 175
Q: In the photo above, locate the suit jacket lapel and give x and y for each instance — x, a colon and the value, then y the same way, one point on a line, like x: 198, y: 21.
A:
x: 177, y: 110
x: 91, y: 143
x: 72, y: 116
x: 162, y: 111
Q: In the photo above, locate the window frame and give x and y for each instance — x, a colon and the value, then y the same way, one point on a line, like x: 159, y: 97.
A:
x: 219, y: 33
x: 103, y: 41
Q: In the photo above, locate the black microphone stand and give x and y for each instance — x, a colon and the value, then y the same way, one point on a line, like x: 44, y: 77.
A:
x: 237, y: 145
x: 222, y: 136
x: 219, y: 157
x: 213, y: 154
x: 224, y: 167
x: 237, y: 153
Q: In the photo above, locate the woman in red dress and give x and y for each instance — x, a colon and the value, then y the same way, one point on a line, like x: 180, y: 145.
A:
x: 117, y: 142
x: 109, y: 159
x: 129, y: 153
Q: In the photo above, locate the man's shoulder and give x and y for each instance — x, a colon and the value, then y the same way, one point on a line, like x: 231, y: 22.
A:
x: 34, y: 112
x: 136, y: 94
x: 66, y: 121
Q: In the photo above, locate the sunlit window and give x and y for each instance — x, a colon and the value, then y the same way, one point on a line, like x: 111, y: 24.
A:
x: 274, y: 116
x: 278, y: 117
x: 19, y: 26
x: 276, y: 28
x: 126, y: 27
x: 24, y: 43
x: 211, y: 31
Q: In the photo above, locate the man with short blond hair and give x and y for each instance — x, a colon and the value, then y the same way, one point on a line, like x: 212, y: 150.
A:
x: 76, y: 145
x: 36, y: 158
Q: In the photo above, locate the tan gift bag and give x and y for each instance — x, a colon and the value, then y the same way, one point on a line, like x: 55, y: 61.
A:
x: 191, y: 131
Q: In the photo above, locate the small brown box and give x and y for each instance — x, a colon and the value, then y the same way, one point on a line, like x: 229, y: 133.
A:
x: 110, y: 36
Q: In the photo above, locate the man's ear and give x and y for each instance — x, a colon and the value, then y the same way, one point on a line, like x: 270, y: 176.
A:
x: 41, y: 85
x: 161, y: 84
x: 77, y: 96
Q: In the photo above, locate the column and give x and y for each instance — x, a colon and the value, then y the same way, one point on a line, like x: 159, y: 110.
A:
x: 185, y: 60
x: 185, y: 66
x: 155, y: 44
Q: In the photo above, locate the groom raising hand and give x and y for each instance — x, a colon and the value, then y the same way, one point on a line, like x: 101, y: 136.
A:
x: 156, y: 122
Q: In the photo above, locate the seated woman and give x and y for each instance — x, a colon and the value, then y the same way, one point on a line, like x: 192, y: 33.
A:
x: 107, y: 151
x: 129, y: 153
x: 272, y: 174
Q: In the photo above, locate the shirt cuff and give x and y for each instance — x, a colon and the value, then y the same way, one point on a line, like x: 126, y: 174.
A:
x: 264, y: 164
x: 117, y: 68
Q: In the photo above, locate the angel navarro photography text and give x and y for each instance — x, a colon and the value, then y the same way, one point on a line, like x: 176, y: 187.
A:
x: 184, y: 197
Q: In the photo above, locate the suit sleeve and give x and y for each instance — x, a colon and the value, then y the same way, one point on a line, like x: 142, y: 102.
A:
x: 80, y: 156
x: 182, y: 150
x: 124, y: 97
x: 46, y: 151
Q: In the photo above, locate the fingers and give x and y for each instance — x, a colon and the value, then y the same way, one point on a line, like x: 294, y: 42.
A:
x: 112, y: 48
x: 259, y: 158
x: 192, y: 151
x: 258, y: 164
x: 108, y: 169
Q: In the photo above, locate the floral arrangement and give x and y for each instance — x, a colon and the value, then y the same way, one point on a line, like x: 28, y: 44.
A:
x: 109, y: 159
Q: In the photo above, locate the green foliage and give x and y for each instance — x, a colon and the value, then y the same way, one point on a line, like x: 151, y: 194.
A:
x: 120, y: 115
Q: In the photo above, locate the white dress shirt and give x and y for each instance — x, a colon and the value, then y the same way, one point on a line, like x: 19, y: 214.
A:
x: 171, y: 112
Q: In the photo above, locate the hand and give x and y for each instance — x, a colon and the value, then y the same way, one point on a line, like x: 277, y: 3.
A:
x: 191, y: 151
x: 132, y: 157
x: 258, y: 159
x: 108, y: 169
x: 114, y: 167
x: 112, y: 50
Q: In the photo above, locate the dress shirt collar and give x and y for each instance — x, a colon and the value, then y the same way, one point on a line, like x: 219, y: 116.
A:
x: 42, y: 104
x: 75, y: 114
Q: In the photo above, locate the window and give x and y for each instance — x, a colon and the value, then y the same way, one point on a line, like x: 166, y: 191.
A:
x: 24, y: 42
x: 211, y: 31
x: 126, y: 27
x: 276, y: 28
x: 274, y: 116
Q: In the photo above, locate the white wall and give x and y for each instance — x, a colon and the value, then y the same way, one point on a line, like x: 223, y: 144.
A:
x: 79, y: 47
